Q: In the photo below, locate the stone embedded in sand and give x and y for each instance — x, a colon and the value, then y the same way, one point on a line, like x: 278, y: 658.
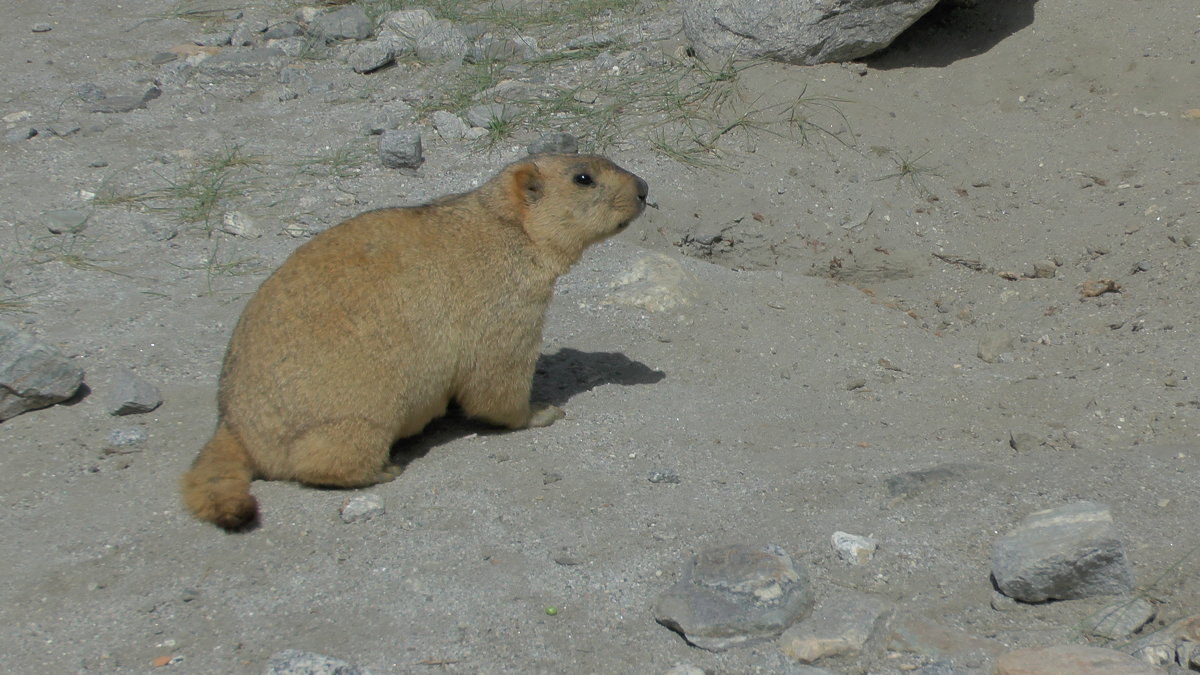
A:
x: 994, y: 344
x: 362, y: 507
x: 1119, y: 619
x: 733, y: 595
x: 1065, y: 553
x: 845, y: 625
x: 33, y: 374
x: 1070, y: 659
x: 348, y: 23
x: 656, y: 283
x: 296, y: 662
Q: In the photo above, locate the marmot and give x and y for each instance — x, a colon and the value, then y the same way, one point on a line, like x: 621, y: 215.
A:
x: 369, y: 330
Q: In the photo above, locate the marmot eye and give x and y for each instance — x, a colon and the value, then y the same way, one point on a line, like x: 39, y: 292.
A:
x: 584, y: 179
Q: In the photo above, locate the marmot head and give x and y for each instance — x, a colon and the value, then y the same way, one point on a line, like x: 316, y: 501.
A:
x: 569, y: 202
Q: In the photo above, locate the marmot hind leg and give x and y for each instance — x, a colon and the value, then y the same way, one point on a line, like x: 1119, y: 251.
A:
x: 345, y: 453
x: 503, y: 400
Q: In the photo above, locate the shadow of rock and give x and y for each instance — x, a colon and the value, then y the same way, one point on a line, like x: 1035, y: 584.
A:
x: 952, y: 31
x: 558, y: 377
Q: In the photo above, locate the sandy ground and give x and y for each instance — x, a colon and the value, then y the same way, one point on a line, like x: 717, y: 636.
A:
x: 838, y: 287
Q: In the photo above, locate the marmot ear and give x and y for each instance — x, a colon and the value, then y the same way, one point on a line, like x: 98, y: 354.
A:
x: 527, y: 180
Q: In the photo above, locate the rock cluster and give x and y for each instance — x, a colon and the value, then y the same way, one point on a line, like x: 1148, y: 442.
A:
x: 735, y: 595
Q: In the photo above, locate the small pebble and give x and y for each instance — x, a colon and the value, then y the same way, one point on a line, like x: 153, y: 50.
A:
x: 42, y: 28
x: 362, y: 508
x: 123, y: 438
x: 667, y: 476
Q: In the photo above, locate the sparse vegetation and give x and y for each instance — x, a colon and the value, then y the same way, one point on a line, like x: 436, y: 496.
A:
x: 197, y: 196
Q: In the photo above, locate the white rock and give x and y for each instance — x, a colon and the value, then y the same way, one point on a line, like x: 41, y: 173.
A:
x: 853, y: 548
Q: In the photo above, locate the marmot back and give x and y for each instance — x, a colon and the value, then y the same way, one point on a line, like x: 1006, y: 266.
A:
x: 369, y: 330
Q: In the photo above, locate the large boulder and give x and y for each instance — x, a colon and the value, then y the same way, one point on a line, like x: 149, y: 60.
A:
x: 802, y: 32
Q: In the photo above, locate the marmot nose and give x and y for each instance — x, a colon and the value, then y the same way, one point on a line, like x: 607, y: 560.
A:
x: 642, y: 188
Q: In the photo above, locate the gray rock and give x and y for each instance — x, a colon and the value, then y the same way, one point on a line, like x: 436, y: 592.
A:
x: 33, y: 374
x: 126, y: 102
x: 174, y: 75
x: 734, y: 595
x: 488, y: 115
x: 127, y: 437
x: 1044, y: 269
x: 248, y: 33
x: 361, y: 507
x: 668, y: 476
x: 372, y: 56
x: 296, y: 662
x: 560, y: 142
x: 993, y: 344
x: 1164, y: 647
x: 801, y: 32
x: 847, y: 625
x: 590, y: 41
x: 242, y: 61
x: 88, y: 91
x: 920, y: 635
x: 1079, y: 659
x: 1023, y: 441
x: 401, y: 148
x: 283, y: 31
x: 70, y: 221
x: 19, y: 134
x: 1065, y: 553
x: 449, y: 126
x: 131, y: 395
x: 442, y: 42
x: 911, y: 483
x: 1120, y: 619
x: 42, y: 28
x: 407, y: 23
x: 502, y: 49
x: 348, y: 23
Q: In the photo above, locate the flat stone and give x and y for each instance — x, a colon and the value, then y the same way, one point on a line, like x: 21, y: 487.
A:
x: 656, y: 283
x: 126, y: 102
x: 131, y: 395
x: 347, y: 23
x: 488, y: 115
x: 1162, y: 647
x: 911, y: 483
x: 69, y: 221
x: 33, y: 374
x: 1119, y: 619
x: 993, y: 344
x: 561, y: 142
x: 244, y: 61
x: 921, y: 635
x: 733, y: 595
x: 1075, y: 659
x: 843, y: 625
x: 296, y: 662
x: 1065, y: 553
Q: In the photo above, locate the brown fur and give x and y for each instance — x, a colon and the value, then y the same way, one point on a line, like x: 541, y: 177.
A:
x: 368, y: 331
